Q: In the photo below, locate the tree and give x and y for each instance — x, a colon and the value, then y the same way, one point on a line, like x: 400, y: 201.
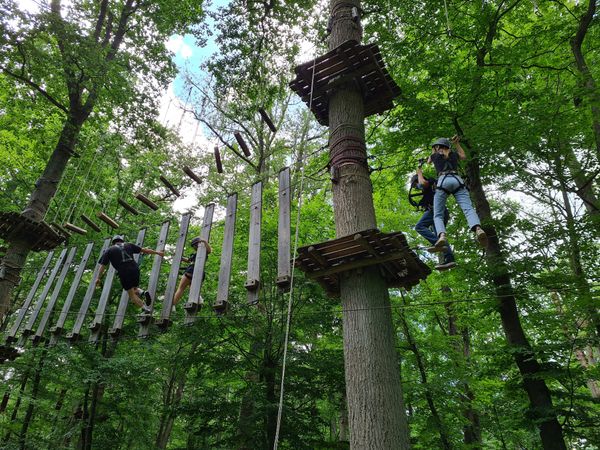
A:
x: 82, y: 58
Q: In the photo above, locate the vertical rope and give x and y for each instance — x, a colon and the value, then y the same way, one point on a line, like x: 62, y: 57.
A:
x: 448, y: 27
x: 289, y: 311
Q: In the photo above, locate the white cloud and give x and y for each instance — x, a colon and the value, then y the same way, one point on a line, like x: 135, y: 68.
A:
x: 176, y: 45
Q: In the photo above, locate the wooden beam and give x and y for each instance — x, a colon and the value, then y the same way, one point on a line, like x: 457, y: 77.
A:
x: 128, y: 207
x: 192, y: 175
x: 226, y: 255
x: 242, y: 143
x: 58, y: 327
x: 96, y: 325
x: 75, y: 333
x: 253, y: 277
x: 145, y: 200
x: 266, y: 119
x: 165, y: 314
x: 22, y: 311
x: 145, y: 320
x: 218, y: 160
x: 195, y: 300
x: 74, y: 228
x: 54, y: 297
x: 284, y: 269
x: 107, y: 220
x: 169, y: 186
x: 28, y: 330
x: 90, y: 223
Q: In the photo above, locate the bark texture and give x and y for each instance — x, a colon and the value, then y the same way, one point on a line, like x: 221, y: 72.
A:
x: 377, y: 419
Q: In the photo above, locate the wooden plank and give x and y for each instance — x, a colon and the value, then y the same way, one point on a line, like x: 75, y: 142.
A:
x: 146, y: 201
x: 165, y: 314
x: 128, y: 207
x: 253, y: 278
x: 226, y: 255
x: 218, y: 160
x: 192, y: 175
x: 242, y: 143
x: 96, y: 325
x: 145, y: 320
x: 107, y: 220
x: 10, y: 337
x: 58, y: 327
x: 75, y: 333
x: 42, y: 298
x: 54, y: 297
x: 90, y: 223
x: 117, y: 325
x: 74, y: 228
x: 169, y: 186
x: 284, y: 269
x: 266, y: 119
x: 195, y: 300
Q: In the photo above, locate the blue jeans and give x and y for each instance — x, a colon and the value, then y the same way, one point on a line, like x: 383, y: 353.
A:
x: 451, y: 183
x: 426, y: 229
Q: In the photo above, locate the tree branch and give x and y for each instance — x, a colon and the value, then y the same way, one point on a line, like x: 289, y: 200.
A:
x: 38, y: 88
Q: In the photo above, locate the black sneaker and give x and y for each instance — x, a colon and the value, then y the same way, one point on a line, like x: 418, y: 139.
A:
x: 147, y: 297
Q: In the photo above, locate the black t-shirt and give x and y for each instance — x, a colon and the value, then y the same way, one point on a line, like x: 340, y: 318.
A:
x: 444, y: 165
x: 192, y: 259
x: 120, y: 256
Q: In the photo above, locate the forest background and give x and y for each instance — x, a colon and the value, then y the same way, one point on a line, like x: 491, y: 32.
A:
x: 516, y: 79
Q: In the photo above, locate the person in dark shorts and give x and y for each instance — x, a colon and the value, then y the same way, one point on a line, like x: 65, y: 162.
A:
x: 186, y: 279
x: 120, y: 255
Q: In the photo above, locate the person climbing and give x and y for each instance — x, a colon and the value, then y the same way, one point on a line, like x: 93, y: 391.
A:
x: 120, y: 255
x: 425, y: 226
x: 450, y: 183
x: 186, y: 279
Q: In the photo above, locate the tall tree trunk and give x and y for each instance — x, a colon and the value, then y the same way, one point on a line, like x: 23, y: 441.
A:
x: 45, y: 189
x: 269, y: 368
x: 590, y: 89
x: 472, y: 429
x: 437, y: 420
x: 374, y: 391
x: 584, y: 291
x: 32, y: 401
x: 15, y: 411
x: 537, y: 391
x: 585, y: 185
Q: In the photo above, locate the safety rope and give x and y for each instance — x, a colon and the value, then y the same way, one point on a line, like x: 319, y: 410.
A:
x: 289, y: 310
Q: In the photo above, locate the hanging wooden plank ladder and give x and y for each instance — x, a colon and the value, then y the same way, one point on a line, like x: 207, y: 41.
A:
x: 253, y: 277
x: 195, y: 300
x: 222, y: 300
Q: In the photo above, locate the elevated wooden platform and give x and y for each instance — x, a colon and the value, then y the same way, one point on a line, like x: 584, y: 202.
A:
x: 327, y: 261
x: 15, y: 226
x: 362, y: 63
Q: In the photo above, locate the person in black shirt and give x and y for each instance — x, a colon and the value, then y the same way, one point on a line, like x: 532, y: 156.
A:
x: 450, y: 183
x: 120, y: 255
x: 186, y: 279
x: 425, y: 226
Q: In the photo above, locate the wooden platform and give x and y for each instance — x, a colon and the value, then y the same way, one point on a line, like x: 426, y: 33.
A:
x: 327, y: 261
x: 14, y: 226
x: 350, y: 60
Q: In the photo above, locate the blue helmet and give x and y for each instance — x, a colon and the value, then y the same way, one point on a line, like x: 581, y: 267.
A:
x: 195, y: 242
x: 444, y: 142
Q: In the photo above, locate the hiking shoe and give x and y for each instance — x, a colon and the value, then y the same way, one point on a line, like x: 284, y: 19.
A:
x: 147, y: 297
x: 481, y: 237
x: 445, y: 266
x: 146, y: 309
x: 440, y: 245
